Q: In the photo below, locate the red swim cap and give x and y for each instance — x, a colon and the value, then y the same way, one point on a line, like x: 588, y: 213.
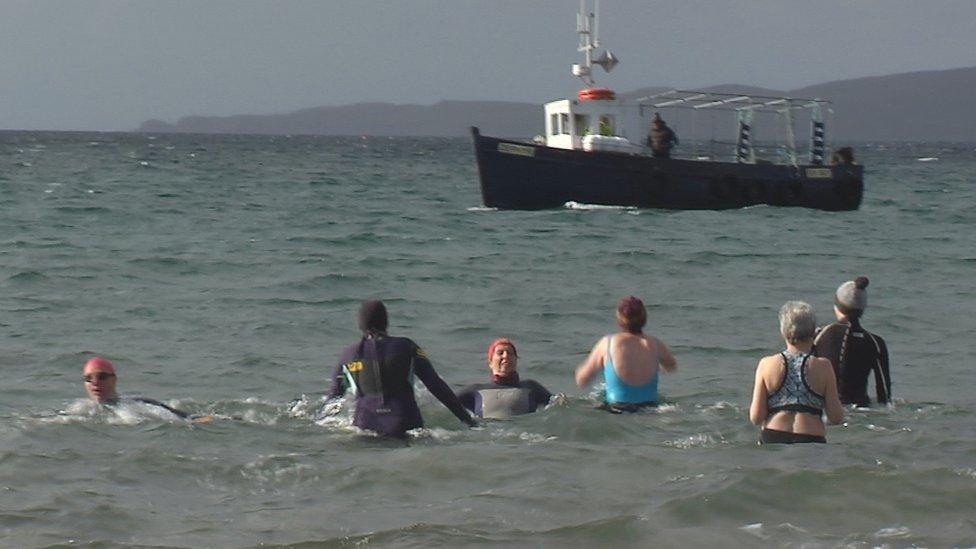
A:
x: 100, y: 364
x: 500, y: 341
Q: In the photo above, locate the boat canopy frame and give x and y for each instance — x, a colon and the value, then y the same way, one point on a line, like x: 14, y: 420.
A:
x: 745, y: 105
x: 729, y: 101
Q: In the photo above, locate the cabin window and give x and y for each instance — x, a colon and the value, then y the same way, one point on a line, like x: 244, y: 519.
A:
x: 553, y: 124
x: 606, y: 125
x: 563, y: 123
x: 582, y: 124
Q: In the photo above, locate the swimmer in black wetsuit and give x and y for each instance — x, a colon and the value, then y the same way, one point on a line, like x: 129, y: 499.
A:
x: 855, y: 352
x: 506, y: 395
x: 379, y: 369
x: 100, y: 381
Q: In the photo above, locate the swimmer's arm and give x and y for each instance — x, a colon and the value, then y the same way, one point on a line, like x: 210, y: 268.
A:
x: 758, y: 410
x: 151, y: 401
x: 665, y: 357
x: 466, y: 396
x: 588, y: 369
x: 882, y: 375
x: 832, y: 405
x: 542, y: 395
x: 439, y: 388
x: 338, y: 383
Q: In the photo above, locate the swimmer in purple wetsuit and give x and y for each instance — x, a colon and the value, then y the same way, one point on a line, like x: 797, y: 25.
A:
x: 379, y: 370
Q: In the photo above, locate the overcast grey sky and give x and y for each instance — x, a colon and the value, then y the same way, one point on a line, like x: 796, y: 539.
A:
x: 111, y: 64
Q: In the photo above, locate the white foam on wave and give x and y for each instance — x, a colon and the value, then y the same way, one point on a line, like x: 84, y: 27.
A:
x: 482, y: 209
x: 691, y: 441
x: 928, y: 159
x: 127, y: 412
x: 438, y: 434
x: 685, y: 478
x: 758, y: 529
x: 572, y: 205
x: 274, y: 469
x: 522, y: 436
x: 893, y: 532
x: 755, y: 529
x: 720, y: 405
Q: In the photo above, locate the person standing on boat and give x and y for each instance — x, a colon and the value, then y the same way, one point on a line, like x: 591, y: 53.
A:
x: 506, y: 395
x: 631, y: 361
x: 854, y: 351
x: 793, y: 388
x: 662, y: 138
x: 380, y: 369
x: 842, y: 156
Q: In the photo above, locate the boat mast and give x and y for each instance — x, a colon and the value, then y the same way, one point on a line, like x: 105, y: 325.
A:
x: 587, y: 27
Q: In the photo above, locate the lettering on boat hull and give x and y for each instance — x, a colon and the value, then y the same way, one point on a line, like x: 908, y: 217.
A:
x: 520, y: 150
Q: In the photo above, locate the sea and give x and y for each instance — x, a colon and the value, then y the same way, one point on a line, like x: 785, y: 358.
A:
x: 222, y: 275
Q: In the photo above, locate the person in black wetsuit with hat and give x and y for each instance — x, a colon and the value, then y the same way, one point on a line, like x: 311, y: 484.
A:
x: 855, y: 352
x: 506, y: 395
x: 379, y: 370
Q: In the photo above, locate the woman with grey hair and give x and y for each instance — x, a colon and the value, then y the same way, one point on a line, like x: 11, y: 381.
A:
x: 793, y: 389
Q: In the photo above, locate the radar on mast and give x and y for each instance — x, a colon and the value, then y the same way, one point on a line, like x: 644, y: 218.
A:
x: 607, y: 60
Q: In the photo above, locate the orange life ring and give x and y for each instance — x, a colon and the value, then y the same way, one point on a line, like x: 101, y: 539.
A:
x: 596, y: 94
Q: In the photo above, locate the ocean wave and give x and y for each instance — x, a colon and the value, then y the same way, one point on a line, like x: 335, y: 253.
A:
x: 571, y: 205
x: 127, y: 412
x: 275, y: 469
x: 893, y: 532
x: 27, y: 277
x: 697, y: 440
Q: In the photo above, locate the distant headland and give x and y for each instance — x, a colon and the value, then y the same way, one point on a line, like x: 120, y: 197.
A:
x: 914, y: 106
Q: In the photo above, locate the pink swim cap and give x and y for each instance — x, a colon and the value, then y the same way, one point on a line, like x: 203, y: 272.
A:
x: 100, y: 364
x: 501, y: 341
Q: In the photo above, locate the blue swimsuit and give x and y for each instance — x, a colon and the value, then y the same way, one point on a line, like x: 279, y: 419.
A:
x: 619, y: 392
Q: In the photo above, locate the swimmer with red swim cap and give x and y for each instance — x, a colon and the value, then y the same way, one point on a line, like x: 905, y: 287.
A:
x: 99, y: 377
x: 100, y: 380
x: 506, y: 395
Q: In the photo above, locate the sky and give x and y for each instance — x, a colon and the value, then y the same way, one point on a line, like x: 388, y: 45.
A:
x: 108, y: 65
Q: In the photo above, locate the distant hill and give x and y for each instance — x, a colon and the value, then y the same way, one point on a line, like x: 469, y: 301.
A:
x: 915, y: 106
x: 446, y: 118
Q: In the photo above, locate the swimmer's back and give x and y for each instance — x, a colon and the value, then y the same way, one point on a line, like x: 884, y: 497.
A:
x: 636, y: 357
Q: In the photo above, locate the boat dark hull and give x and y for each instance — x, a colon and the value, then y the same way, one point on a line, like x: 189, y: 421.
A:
x: 523, y: 176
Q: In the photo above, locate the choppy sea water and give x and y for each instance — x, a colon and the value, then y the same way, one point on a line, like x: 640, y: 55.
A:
x: 223, y: 274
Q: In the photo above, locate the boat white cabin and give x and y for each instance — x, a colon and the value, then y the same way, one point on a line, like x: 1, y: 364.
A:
x: 582, y: 124
x: 596, y: 119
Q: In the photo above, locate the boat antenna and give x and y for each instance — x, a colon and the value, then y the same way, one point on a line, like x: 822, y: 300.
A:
x: 587, y: 27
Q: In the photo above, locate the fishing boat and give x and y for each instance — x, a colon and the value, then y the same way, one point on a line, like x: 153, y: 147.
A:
x: 595, y: 150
